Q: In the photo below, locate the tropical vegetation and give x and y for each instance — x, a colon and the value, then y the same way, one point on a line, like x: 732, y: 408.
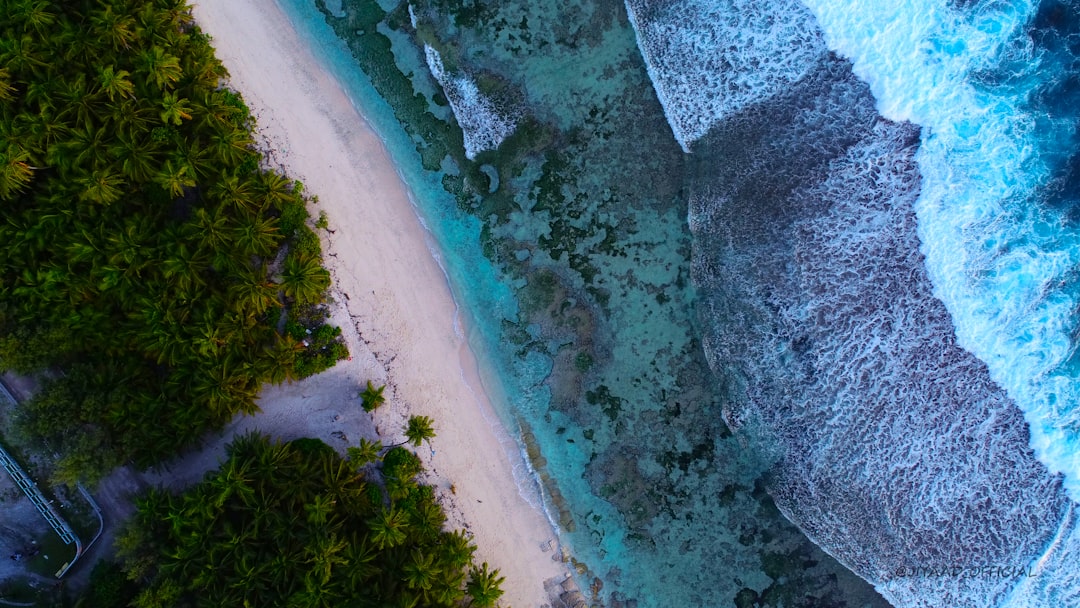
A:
x: 151, y: 269
x: 295, y: 524
x: 372, y: 397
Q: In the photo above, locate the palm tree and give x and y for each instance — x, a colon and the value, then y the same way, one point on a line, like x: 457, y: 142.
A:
x: 319, y: 509
x: 117, y: 28
x: 217, y: 389
x: 249, y: 581
x: 136, y: 158
x: 421, y: 572
x: 79, y: 102
x: 15, y: 172
x: 163, y: 69
x: 249, y: 446
x: 44, y: 131
x: 199, y: 157
x: 127, y: 245
x: 231, y: 144
x: 234, y: 191
x: 163, y: 343
x: 279, y: 363
x: 304, y: 279
x: 325, y: 553
x: 419, y: 429
x: 448, y: 589
x: 427, y: 520
x: 208, y: 338
x: 183, y: 265
x: 174, y: 13
x: 275, y: 188
x: 456, y: 548
x: 73, y: 44
x: 253, y: 293
x: 372, y: 397
x: 174, y: 177
x: 366, y: 453
x: 202, y: 66
x: 115, y: 83
x: 212, y: 110
x: 33, y: 14
x: 153, y: 27
x: 88, y: 146
x: 233, y: 480
x: 102, y: 186
x: 22, y: 55
x: 388, y: 528
x: 341, y: 481
x: 484, y: 586
x: 360, y: 568
x: 7, y: 91
x: 280, y: 573
x: 174, y: 109
x: 257, y: 235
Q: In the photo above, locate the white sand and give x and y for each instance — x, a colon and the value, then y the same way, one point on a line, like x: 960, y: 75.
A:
x: 393, y: 303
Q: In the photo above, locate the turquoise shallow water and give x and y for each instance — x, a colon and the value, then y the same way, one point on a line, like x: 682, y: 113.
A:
x: 854, y: 295
x: 569, y: 250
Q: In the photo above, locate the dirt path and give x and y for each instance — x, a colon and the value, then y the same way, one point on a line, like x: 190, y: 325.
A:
x: 326, y: 408
x: 115, y: 497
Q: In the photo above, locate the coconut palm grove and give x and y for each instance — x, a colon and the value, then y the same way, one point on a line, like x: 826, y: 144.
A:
x: 295, y: 524
x: 153, y: 275
x: 144, y: 252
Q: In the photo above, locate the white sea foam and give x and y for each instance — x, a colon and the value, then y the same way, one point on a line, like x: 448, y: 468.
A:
x: 894, y: 449
x: 484, y: 124
x: 710, y: 58
x: 1000, y: 261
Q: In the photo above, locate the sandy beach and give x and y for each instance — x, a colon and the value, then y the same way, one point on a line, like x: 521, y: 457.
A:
x: 391, y: 299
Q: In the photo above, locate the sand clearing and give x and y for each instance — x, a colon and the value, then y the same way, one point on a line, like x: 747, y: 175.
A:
x: 392, y: 301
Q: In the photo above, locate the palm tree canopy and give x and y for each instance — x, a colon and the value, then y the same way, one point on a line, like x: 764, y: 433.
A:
x: 271, y: 528
x: 136, y: 228
x: 419, y: 429
x: 372, y: 397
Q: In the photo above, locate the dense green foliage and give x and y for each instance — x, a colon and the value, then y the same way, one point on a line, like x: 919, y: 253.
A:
x: 108, y: 587
x: 296, y: 525
x: 143, y: 252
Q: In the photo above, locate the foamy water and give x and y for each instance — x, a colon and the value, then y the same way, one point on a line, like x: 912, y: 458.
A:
x: 709, y: 59
x: 483, y: 124
x: 889, y: 303
x: 1002, y: 259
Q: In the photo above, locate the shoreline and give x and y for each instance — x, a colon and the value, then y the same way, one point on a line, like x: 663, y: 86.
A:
x: 391, y: 298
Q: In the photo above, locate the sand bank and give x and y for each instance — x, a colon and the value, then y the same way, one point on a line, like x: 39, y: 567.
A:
x: 392, y: 301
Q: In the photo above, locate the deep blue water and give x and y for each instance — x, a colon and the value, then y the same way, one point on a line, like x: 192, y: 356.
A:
x: 720, y: 253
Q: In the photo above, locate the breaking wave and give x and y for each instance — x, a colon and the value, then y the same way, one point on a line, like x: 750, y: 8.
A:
x: 886, y: 243
x: 709, y: 59
x: 484, y: 125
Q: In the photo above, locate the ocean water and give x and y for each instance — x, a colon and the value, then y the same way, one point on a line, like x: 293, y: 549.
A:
x: 540, y: 159
x: 886, y: 252
x: 995, y: 88
x: 735, y: 264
